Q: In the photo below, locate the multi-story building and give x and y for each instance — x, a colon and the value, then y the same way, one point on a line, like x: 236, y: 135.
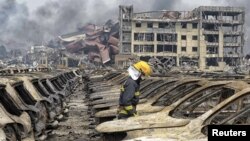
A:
x: 206, y: 36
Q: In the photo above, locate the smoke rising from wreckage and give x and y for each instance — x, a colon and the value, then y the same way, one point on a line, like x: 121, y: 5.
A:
x: 66, y: 86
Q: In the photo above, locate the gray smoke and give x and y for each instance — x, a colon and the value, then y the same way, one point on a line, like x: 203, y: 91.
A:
x: 12, y: 22
x: 21, y: 27
x: 65, y: 15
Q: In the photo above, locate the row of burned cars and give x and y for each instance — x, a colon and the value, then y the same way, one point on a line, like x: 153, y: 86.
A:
x: 170, y: 108
x: 32, y: 102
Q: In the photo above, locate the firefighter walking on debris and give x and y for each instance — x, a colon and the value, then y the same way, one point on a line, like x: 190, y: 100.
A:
x: 129, y: 96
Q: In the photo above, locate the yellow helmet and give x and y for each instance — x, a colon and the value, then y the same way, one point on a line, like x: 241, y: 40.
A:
x: 143, y: 67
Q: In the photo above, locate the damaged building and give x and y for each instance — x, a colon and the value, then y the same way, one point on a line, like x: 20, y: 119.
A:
x: 209, y: 37
x: 98, y: 43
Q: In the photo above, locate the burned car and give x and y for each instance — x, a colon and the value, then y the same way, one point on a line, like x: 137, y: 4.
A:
x: 26, y: 102
x: 232, y: 111
x: 201, y: 100
x: 39, y: 93
x: 15, y: 123
x: 156, y: 92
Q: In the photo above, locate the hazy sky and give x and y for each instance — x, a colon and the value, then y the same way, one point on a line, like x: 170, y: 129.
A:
x: 33, y: 4
x: 179, y: 5
x: 25, y: 22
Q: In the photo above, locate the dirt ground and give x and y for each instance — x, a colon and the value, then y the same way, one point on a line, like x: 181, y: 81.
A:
x: 74, y: 126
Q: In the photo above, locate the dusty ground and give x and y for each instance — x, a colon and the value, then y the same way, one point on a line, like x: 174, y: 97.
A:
x: 74, y: 126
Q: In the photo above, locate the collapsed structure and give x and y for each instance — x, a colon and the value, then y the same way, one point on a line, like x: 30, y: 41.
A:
x: 208, y: 37
x: 99, y: 43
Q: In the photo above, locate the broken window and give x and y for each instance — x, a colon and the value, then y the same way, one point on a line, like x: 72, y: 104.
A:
x: 47, y: 87
x: 144, y: 36
x: 137, y: 24
x: 212, y: 27
x: 194, y: 37
x: 149, y: 36
x: 212, y: 17
x: 232, y: 61
x: 194, y: 25
x: 231, y: 50
x: 25, y: 95
x: 138, y: 48
x: 126, y: 37
x: 172, y: 95
x: 63, y: 79
x: 167, y: 48
x: 162, y: 25
x: 77, y: 72
x: 167, y: 25
x: 148, y: 48
x: 232, y: 39
x: 126, y: 26
x: 212, y: 38
x: 72, y: 75
x: 186, y: 61
x: 183, y: 25
x: 160, y: 48
x: 209, y: 16
x: 235, y: 113
x: 167, y: 37
x: 228, y: 28
x: 150, y: 25
x: 8, y: 104
x: 56, y: 85
x: 143, y: 48
x: 126, y: 47
x: 212, y: 61
x: 201, y: 102
x: 194, y: 49
x: 39, y: 89
x: 160, y: 85
x: 138, y: 36
x: 126, y: 12
x: 228, y: 18
x: 183, y: 37
x: 212, y: 49
x: 60, y: 84
x: 183, y: 49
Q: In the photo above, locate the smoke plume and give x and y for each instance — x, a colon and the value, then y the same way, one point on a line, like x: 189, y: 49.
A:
x: 21, y: 27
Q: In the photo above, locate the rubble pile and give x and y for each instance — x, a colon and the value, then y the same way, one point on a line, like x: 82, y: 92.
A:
x: 100, y: 43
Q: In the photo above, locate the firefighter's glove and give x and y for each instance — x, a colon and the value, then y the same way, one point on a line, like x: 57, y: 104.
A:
x: 130, y: 110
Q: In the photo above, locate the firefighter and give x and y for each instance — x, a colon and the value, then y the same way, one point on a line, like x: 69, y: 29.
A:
x: 129, y: 96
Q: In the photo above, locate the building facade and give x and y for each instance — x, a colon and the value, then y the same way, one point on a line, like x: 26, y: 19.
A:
x: 206, y: 37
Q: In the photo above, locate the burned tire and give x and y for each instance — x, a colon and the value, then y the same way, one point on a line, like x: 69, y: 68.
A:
x: 10, y: 133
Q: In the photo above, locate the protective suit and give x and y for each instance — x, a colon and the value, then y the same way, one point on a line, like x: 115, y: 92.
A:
x: 129, y: 96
